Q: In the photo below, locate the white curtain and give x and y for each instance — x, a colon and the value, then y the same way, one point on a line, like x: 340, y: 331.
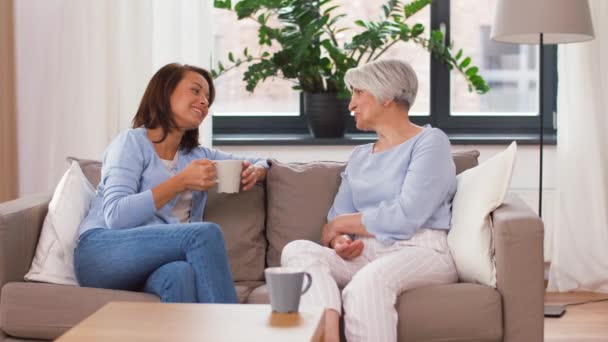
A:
x: 82, y: 67
x: 579, y: 261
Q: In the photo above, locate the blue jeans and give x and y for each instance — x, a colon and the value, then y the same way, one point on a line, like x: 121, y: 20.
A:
x: 181, y: 263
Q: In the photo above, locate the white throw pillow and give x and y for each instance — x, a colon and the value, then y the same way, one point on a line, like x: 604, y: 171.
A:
x: 480, y: 190
x: 54, y: 259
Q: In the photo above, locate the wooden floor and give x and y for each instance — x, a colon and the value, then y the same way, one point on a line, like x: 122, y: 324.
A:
x: 586, y: 322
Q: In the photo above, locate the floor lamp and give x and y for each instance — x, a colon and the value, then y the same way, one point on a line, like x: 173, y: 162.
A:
x: 542, y: 22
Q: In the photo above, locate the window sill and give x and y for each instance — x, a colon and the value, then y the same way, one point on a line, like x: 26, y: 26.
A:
x: 358, y: 139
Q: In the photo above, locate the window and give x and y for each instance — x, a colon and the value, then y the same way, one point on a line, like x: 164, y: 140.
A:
x: 511, y: 106
x: 271, y: 98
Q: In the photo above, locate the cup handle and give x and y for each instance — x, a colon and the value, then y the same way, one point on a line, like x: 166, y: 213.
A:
x: 309, y: 282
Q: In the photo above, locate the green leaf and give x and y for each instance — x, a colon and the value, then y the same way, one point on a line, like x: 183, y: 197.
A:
x: 386, y: 9
x: 465, y: 63
x: 245, y: 8
x: 225, y: 4
x: 341, y: 30
x: 231, y: 57
x: 476, y: 78
x: 360, y: 23
x: 458, y: 55
x: 417, y: 30
x: 327, y: 11
x: 265, y: 54
x: 437, y: 36
x: 336, y: 19
x: 472, y: 71
x: 415, y: 6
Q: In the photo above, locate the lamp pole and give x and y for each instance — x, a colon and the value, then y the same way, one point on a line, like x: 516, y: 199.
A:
x: 542, y: 128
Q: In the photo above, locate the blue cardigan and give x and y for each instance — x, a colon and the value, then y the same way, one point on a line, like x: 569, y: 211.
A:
x: 400, y: 190
x: 131, y: 168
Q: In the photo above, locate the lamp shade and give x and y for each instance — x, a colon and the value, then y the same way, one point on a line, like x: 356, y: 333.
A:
x: 560, y: 21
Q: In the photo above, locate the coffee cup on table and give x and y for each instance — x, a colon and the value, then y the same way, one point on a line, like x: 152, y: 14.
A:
x: 228, y: 175
x: 285, y: 287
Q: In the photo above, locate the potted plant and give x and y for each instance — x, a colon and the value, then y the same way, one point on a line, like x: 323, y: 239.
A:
x: 310, y: 54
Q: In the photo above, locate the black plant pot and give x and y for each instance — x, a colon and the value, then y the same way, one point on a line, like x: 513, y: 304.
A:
x: 325, y: 114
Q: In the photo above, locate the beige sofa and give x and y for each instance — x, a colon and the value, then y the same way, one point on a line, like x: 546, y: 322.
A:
x: 257, y: 224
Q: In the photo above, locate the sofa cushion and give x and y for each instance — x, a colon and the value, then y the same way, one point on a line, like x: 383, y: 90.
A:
x: 454, y: 312
x: 241, y: 217
x: 299, y: 196
x: 480, y: 191
x: 54, y: 259
x: 244, y: 289
x: 90, y: 168
x: 465, y: 160
x: 259, y: 295
x: 45, y: 311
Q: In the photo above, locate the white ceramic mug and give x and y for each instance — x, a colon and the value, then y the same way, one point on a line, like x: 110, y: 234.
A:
x: 228, y: 175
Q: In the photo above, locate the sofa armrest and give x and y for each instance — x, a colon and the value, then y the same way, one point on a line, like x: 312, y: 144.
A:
x: 20, y: 224
x: 518, y: 242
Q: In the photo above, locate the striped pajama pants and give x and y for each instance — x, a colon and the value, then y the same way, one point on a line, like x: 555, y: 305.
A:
x: 372, y: 281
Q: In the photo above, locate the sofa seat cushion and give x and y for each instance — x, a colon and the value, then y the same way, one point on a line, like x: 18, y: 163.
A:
x: 244, y: 288
x: 45, y: 311
x: 259, y: 295
x: 455, y: 312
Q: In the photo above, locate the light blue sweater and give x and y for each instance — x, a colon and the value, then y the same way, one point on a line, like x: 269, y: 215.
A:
x: 131, y: 168
x: 400, y: 190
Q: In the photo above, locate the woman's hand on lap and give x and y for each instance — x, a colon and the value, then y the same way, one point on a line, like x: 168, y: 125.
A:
x: 346, y: 248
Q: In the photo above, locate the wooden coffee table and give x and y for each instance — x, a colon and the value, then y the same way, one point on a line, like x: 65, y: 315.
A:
x: 125, y: 321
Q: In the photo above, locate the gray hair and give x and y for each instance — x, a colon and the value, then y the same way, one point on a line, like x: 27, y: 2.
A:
x: 387, y: 79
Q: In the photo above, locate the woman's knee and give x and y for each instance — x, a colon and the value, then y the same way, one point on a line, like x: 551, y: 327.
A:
x: 173, y: 282
x: 207, y: 232
x: 297, y: 249
x: 182, y: 270
x: 366, y: 281
x: 176, y: 272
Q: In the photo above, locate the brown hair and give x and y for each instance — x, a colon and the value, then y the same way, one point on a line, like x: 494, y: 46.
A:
x: 155, y: 107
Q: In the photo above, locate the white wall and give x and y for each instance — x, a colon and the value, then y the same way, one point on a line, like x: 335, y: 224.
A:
x: 524, y: 182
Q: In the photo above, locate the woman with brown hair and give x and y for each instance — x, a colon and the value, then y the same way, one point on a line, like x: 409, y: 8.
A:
x: 144, y: 230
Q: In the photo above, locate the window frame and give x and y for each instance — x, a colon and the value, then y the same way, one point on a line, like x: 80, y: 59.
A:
x: 440, y: 104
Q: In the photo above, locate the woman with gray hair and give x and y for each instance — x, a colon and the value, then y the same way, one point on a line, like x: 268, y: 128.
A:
x: 387, y: 227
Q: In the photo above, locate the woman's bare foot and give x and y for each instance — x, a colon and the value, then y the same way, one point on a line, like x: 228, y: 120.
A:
x: 332, y: 326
